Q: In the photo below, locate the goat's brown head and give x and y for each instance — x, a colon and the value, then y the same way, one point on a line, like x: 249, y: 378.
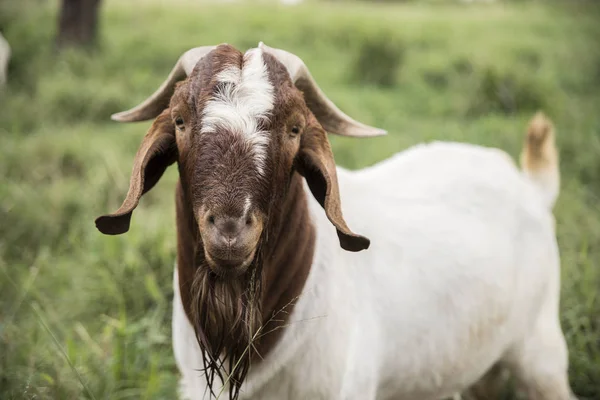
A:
x: 239, y: 126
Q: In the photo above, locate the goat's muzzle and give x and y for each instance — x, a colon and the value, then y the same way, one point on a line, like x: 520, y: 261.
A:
x: 230, y: 242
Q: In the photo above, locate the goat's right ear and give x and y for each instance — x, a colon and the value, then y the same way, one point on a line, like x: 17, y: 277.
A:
x: 157, y: 151
x: 316, y: 163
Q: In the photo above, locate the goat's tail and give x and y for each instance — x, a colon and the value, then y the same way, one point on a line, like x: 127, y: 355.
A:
x: 539, y: 158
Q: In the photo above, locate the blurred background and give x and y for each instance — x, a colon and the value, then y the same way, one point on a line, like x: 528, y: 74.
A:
x: 84, y: 315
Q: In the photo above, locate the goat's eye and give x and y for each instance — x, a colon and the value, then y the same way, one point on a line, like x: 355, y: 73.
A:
x: 179, y: 123
x: 295, y: 130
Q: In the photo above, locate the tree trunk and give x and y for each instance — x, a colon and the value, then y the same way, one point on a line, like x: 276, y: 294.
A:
x: 78, y: 23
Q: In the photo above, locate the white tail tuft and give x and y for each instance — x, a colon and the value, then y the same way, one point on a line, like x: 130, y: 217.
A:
x: 539, y: 158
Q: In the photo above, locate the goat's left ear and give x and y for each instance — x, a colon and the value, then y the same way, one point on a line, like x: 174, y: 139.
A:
x: 157, y: 151
x: 315, y: 162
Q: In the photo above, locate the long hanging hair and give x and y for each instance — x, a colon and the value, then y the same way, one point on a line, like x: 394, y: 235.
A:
x: 227, y: 318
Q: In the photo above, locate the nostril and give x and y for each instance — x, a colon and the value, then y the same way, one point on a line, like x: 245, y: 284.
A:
x: 211, y: 219
x: 248, y: 221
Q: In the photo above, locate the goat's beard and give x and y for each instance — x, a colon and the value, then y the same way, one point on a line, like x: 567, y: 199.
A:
x: 227, y: 319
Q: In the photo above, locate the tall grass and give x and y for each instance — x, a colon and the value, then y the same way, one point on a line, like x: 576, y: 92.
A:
x: 88, y: 316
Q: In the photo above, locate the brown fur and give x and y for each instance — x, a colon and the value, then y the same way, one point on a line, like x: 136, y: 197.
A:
x: 239, y: 314
x: 235, y: 315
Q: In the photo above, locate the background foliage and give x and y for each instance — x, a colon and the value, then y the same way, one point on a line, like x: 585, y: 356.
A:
x: 88, y: 316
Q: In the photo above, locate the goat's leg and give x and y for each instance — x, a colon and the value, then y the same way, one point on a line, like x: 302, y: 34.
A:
x: 540, y: 361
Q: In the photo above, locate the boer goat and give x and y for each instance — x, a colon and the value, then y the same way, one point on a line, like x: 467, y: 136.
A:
x: 273, y: 298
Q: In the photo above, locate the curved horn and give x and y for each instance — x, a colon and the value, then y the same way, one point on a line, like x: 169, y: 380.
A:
x: 159, y: 100
x: 329, y: 116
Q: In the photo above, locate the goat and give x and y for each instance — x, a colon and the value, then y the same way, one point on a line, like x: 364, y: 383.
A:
x: 5, y: 53
x: 274, y: 295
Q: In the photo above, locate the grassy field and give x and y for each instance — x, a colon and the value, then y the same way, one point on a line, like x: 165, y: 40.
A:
x: 84, y: 315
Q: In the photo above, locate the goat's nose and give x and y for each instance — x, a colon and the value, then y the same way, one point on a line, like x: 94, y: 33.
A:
x: 228, y: 228
x: 229, y: 240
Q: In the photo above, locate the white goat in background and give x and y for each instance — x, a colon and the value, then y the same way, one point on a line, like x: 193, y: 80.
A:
x: 4, y: 59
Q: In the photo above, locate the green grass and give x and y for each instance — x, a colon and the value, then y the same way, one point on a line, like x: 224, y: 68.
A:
x: 84, y: 315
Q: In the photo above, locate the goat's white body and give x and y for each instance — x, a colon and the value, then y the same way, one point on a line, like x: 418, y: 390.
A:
x: 462, y: 272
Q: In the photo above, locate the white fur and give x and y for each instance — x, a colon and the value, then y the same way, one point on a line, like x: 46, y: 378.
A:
x: 462, y: 272
x: 4, y: 59
x: 246, y: 98
x: 247, y: 204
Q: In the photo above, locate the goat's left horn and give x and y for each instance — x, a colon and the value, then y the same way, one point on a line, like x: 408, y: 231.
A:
x: 159, y: 100
x: 329, y: 116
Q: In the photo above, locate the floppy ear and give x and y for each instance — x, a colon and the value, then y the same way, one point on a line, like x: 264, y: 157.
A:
x: 157, y: 151
x: 315, y: 162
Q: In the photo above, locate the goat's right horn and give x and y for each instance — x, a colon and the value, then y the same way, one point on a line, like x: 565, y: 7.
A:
x: 329, y: 116
x: 159, y: 100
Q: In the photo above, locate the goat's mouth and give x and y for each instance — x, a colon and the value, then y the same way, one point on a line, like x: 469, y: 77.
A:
x: 229, y: 266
